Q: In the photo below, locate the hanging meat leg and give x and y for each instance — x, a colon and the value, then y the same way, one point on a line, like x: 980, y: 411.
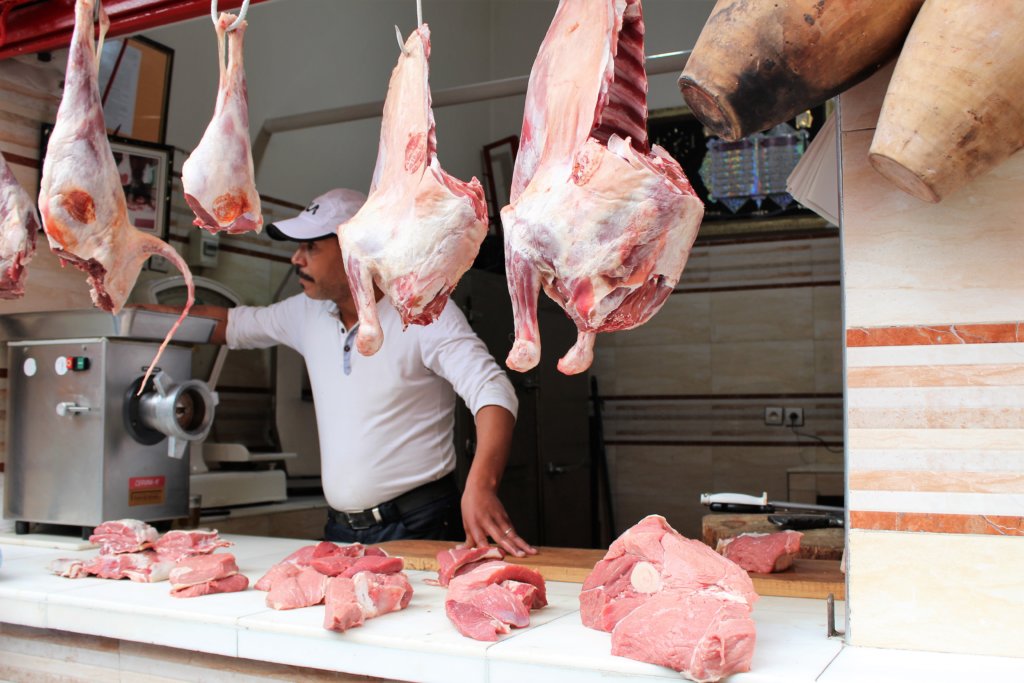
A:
x: 18, y: 228
x: 81, y: 200
x: 218, y: 176
x: 598, y: 218
x: 420, y: 228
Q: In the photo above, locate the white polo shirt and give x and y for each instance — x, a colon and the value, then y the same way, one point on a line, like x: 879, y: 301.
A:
x: 385, y: 421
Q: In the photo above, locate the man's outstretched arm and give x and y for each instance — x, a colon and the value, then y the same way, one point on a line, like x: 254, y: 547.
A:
x: 483, y: 514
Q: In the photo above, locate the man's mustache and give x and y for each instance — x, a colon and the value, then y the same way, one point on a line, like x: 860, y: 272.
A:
x: 303, y: 276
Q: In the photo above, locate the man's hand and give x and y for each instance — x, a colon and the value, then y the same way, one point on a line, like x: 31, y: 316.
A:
x: 218, y: 313
x: 483, y: 515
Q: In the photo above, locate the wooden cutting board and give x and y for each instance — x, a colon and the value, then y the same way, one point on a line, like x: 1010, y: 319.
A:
x: 806, y: 579
x: 817, y: 544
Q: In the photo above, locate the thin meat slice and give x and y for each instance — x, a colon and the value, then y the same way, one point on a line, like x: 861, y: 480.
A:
x: 68, y: 567
x: 305, y: 557
x: 218, y: 176
x: 462, y: 587
x: 375, y: 565
x: 473, y: 622
x: 493, y: 598
x: 141, y: 567
x: 230, y: 584
x: 526, y: 593
x: 420, y: 228
x: 123, y: 536
x: 81, y: 201
x: 762, y: 553
x: 599, y: 218
x: 179, y: 544
x: 501, y: 603
x: 304, y: 589
x: 451, y: 561
x: 18, y: 227
x: 280, y: 571
x: 202, y: 569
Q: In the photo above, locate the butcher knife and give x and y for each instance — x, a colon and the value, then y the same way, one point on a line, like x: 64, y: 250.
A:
x: 805, y: 522
x: 742, y: 502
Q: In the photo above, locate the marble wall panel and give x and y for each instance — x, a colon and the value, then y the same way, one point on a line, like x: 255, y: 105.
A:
x: 936, y: 591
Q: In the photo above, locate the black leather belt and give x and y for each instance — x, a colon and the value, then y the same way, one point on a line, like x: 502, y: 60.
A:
x: 393, y: 510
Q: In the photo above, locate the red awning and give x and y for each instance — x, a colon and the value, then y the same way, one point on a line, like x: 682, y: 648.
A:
x: 28, y: 26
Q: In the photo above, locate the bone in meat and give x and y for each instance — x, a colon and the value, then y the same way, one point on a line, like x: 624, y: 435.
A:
x: 218, y: 176
x: 420, y: 228
x: 81, y: 201
x: 598, y: 218
x: 18, y: 227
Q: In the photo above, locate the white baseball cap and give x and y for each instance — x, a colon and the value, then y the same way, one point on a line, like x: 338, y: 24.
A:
x: 321, y: 218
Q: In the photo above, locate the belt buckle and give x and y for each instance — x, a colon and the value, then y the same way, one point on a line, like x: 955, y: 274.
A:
x: 357, y: 521
x: 360, y: 521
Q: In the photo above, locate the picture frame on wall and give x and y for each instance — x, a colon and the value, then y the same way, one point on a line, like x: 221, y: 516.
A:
x: 135, y: 87
x: 145, y: 173
x: 144, y: 170
x: 499, y: 163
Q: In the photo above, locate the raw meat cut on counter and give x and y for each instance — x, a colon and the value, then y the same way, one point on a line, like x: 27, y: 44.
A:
x: 672, y: 601
x: 205, y: 575
x: 420, y: 228
x: 305, y: 588
x: 304, y: 557
x: 491, y: 599
x: 455, y: 561
x: 202, y: 568
x: 366, y: 582
x: 341, y: 565
x: 352, y: 600
x: 142, y: 567
x: 231, y: 584
x: 598, y: 218
x: 218, y: 177
x: 18, y: 227
x: 178, y: 544
x: 69, y: 568
x: 760, y: 552
x: 81, y: 200
x: 123, y: 536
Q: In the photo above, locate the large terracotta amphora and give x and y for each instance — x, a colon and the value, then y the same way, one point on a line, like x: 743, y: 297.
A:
x: 955, y: 105
x: 757, y: 64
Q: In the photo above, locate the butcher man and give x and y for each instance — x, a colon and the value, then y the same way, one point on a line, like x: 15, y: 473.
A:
x: 385, y: 421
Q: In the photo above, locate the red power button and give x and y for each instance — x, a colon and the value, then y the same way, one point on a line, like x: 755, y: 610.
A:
x: 78, y: 363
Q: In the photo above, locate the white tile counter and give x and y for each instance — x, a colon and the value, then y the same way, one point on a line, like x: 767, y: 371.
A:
x: 419, y: 644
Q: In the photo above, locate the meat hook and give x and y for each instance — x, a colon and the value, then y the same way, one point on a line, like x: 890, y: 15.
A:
x: 401, y: 43
x: 419, y: 12
x: 241, y: 14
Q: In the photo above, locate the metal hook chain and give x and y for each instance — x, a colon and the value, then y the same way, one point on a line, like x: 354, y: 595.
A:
x: 241, y: 14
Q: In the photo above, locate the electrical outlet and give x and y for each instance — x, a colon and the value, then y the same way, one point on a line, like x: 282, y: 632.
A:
x: 794, y: 417
x: 773, y: 416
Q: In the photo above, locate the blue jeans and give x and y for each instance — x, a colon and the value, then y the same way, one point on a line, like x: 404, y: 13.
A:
x: 440, y: 520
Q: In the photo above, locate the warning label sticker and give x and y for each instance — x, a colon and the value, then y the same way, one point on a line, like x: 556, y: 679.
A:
x: 146, y: 490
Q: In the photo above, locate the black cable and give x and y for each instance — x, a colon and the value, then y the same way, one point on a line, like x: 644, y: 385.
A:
x: 815, y: 437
